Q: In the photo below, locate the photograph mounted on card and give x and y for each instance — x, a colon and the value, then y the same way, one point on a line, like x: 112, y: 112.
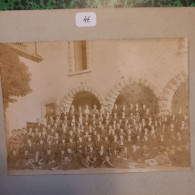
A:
x: 98, y: 106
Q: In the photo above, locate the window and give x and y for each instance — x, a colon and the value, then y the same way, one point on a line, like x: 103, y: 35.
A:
x: 78, y: 57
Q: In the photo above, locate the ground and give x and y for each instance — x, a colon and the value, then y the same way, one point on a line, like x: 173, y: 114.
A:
x: 133, y: 167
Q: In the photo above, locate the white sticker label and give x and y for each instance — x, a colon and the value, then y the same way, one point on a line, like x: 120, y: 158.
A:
x: 85, y: 19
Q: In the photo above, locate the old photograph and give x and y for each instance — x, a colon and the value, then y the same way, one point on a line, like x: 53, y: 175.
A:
x: 98, y: 106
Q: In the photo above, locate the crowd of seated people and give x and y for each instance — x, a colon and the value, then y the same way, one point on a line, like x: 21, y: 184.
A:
x: 93, y: 138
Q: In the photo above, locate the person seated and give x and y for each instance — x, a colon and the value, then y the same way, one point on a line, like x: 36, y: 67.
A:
x: 89, y: 143
x: 135, y: 154
x: 101, y: 118
x: 52, y: 131
x: 109, y: 132
x: 64, y: 133
x: 136, y: 109
x: 86, y: 110
x: 71, y: 144
x: 115, y: 117
x: 106, y: 116
x: 115, y: 110
x: 70, y: 159
x: 36, y: 159
x: 98, y: 141
x: 103, y: 158
x: 49, y: 144
x: 79, y: 112
x: 124, y: 153
x: 80, y: 146
x: 24, y: 161
x: 102, y: 131
x: 13, y: 159
x: 67, y: 159
x: 184, y: 130
x: 50, y: 120
x: 131, y: 109
x: 90, y: 159
x: 60, y: 158
x: 161, y: 143
x: 62, y: 144
x: 30, y: 146
x: 106, y: 144
x: 154, y: 145
x: 102, y: 111
x: 137, y: 117
x: 56, y: 148
x: 95, y: 110
x: 90, y: 130
x: 121, y: 143
x: 40, y: 146
x: 86, y: 162
x: 118, y: 127
x: 128, y: 141
x: 80, y: 119
x: 71, y: 135
x: 145, y: 153
x: 178, y: 140
x: 121, y: 132
x: 114, y: 146
x: 152, y: 131
x: 147, y: 114
x: 13, y: 141
x: 124, y: 110
x: 123, y: 119
x: 171, y: 132
x: 63, y: 113
x: 145, y: 141
x: 49, y: 162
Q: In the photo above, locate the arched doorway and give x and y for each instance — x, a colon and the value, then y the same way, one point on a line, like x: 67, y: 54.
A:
x: 181, y: 99
x: 85, y: 98
x: 82, y: 93
x: 137, y: 93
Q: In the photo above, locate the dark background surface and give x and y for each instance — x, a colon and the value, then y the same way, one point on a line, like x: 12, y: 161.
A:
x: 72, y: 4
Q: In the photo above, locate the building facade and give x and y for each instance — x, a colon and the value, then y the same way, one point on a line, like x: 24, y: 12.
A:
x: 104, y: 72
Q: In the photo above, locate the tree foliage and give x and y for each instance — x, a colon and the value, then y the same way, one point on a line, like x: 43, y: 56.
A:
x: 15, y: 78
x: 69, y: 4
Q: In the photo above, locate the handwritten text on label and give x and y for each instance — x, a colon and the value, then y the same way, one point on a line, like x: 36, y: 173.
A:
x: 85, y: 19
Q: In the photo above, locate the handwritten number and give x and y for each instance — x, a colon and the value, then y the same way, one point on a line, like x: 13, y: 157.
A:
x: 86, y: 19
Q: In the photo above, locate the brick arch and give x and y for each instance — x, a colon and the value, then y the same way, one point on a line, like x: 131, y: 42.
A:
x: 66, y: 101
x: 169, y: 90
x: 115, y: 91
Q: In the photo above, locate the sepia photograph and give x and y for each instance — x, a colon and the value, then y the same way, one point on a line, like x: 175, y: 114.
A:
x: 98, y: 106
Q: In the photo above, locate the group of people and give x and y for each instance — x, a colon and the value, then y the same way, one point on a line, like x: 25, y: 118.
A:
x: 85, y: 137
